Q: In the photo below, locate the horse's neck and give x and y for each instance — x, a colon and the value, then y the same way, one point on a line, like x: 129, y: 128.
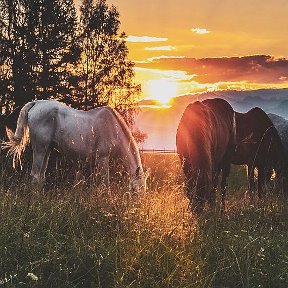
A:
x: 133, y: 160
x: 129, y: 149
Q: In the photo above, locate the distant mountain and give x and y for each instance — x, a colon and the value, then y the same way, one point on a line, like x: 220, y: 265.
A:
x: 161, y: 123
x: 281, y: 109
x: 281, y: 125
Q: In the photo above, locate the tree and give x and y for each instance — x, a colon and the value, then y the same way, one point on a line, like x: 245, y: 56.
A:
x: 37, y: 44
x: 139, y: 136
x: 46, y: 53
x: 104, y: 71
x: 56, y: 48
x: 15, y: 77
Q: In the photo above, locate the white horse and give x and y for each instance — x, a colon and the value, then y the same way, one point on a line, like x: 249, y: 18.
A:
x: 93, y: 136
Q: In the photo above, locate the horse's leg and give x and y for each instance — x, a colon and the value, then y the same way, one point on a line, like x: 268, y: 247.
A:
x: 45, y: 164
x: 199, y: 199
x: 212, y: 198
x: 203, y: 191
x: 39, y: 166
x: 261, y: 180
x: 189, y: 181
x: 194, y: 187
x: 267, y: 178
x: 79, y: 175
x: 103, y: 168
x: 225, y: 174
x: 281, y: 180
x: 251, y: 180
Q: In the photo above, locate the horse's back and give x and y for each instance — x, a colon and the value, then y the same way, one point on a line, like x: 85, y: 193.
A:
x: 52, y: 123
x: 219, y: 106
x: 189, y: 136
x: 257, y: 137
x: 82, y: 133
x: 205, y: 131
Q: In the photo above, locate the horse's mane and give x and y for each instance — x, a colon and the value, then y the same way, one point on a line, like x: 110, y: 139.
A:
x: 257, y: 129
x: 197, y: 115
x: 127, y: 133
x: 194, y: 142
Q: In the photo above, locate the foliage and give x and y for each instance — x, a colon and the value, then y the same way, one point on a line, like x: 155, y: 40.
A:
x: 94, y: 238
x: 139, y: 136
x: 45, y: 52
x: 104, y: 73
x: 37, y: 44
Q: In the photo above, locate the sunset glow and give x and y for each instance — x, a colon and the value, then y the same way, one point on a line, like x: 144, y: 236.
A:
x: 145, y: 39
x: 214, y: 49
x: 200, y: 31
x: 162, y: 90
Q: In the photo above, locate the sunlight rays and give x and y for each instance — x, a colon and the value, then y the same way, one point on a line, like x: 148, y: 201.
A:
x: 162, y: 90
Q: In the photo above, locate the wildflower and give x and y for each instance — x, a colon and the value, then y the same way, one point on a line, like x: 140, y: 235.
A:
x: 32, y: 276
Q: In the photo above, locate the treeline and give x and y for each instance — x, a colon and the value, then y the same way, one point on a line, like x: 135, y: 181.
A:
x: 47, y: 51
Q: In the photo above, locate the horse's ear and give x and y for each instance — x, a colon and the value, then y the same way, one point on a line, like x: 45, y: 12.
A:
x: 137, y: 171
x: 147, y: 173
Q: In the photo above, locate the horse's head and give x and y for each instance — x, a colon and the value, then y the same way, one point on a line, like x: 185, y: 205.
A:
x: 138, y: 180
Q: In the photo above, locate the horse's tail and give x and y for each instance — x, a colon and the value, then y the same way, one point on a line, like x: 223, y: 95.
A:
x: 18, y: 141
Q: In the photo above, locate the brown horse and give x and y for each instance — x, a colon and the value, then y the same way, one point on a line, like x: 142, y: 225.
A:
x: 259, y: 146
x: 205, y: 142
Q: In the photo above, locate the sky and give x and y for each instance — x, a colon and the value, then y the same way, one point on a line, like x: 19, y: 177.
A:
x: 187, y: 46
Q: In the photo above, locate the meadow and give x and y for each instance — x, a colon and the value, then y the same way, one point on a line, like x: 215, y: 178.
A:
x: 81, y: 236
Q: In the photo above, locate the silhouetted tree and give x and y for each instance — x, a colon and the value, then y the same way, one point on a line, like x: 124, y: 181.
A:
x: 104, y: 71
x: 56, y: 48
x: 14, y: 53
x: 37, y: 46
x: 45, y: 53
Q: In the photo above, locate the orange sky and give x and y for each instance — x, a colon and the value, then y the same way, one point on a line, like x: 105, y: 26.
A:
x: 179, y: 32
x: 237, y: 27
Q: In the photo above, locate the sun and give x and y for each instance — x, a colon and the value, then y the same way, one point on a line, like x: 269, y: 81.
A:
x: 162, y: 90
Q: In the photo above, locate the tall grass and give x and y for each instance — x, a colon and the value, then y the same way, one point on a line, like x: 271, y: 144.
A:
x: 88, y: 237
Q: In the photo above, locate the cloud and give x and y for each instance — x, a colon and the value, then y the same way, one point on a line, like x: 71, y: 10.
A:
x: 161, y: 48
x: 253, y: 69
x: 140, y: 39
x: 175, y: 74
x: 200, y: 31
x: 151, y: 59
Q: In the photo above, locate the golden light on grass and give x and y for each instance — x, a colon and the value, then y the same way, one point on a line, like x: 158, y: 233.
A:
x: 166, y: 214
x: 114, y: 238
x: 162, y: 90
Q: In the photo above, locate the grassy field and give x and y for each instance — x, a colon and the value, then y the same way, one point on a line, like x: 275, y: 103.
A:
x: 86, y: 237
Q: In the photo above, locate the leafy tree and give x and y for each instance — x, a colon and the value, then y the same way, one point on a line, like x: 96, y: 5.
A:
x: 15, y: 80
x: 139, y: 136
x: 45, y: 53
x: 37, y: 44
x: 104, y: 71
x: 56, y: 48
